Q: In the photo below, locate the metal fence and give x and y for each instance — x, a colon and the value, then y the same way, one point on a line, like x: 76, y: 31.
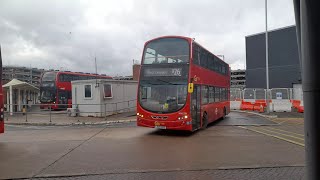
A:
x: 75, y: 113
x: 260, y: 94
x: 281, y: 93
x: 248, y: 94
x: 235, y: 94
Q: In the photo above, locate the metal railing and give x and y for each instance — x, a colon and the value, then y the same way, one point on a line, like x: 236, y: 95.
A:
x: 236, y: 94
x: 275, y: 93
x: 68, y: 112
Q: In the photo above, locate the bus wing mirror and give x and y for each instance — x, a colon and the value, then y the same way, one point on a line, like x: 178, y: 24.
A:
x: 190, y: 88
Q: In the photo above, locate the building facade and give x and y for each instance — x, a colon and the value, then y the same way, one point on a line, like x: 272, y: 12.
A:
x: 136, y: 71
x: 104, y: 97
x: 29, y: 75
x: 284, y: 64
x: 238, y: 78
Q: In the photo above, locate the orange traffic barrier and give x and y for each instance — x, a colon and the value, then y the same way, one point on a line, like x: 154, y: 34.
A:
x: 261, y: 104
x: 295, y: 104
x: 246, y: 106
x: 301, y: 109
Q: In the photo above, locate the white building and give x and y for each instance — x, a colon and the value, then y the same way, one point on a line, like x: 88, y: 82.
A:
x: 103, y: 97
x: 18, y: 94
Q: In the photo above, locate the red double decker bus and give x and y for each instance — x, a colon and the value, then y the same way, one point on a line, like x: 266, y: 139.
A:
x: 182, y: 85
x: 55, y: 87
x: 1, y: 98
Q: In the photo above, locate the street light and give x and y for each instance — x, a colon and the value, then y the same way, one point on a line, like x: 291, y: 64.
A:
x: 267, y: 58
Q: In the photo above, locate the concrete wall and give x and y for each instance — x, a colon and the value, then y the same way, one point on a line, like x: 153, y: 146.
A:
x: 284, y: 66
x: 123, y: 97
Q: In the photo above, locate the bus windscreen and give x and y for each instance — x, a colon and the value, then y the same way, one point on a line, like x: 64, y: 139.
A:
x: 166, y: 50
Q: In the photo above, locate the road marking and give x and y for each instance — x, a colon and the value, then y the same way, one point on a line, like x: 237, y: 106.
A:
x: 275, y: 136
x: 286, y: 131
x: 302, y: 139
x: 65, y: 154
x: 295, y: 121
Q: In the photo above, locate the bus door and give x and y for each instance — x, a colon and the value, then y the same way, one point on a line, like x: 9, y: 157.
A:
x: 1, y: 99
x: 195, y: 108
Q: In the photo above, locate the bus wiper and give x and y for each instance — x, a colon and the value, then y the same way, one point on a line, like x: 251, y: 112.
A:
x: 165, y: 81
x: 170, y: 82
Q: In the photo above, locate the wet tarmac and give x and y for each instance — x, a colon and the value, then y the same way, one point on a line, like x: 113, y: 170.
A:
x: 124, y: 150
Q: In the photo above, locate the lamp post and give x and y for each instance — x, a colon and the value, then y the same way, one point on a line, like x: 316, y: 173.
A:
x: 267, y: 57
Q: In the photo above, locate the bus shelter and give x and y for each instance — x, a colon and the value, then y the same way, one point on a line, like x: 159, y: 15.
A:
x: 19, y: 93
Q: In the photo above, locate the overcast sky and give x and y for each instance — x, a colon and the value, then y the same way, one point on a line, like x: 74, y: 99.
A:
x: 68, y: 34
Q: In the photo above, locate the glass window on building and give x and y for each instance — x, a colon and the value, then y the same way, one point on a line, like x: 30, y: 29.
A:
x: 107, y: 89
x: 87, y: 91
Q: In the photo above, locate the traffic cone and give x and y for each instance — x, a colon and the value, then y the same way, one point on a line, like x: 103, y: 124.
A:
x: 261, y: 108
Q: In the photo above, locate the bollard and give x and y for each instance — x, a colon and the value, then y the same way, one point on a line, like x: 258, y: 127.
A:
x: 50, y: 112
x: 261, y: 108
x: 23, y: 110
x: 105, y: 111
x: 26, y: 115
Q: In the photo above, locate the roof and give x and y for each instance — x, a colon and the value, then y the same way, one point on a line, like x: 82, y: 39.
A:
x: 81, y: 74
x: 269, y: 31
x: 103, y: 81
x: 15, y: 83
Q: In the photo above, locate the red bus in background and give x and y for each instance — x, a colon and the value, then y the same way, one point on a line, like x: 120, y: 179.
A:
x: 182, y: 86
x: 55, y: 88
x: 1, y: 99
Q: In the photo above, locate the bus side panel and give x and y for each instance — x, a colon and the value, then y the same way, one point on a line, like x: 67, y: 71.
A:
x: 1, y: 98
x: 1, y: 113
x: 1, y: 126
x: 215, y: 110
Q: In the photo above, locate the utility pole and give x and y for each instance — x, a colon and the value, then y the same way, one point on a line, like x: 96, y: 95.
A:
x: 267, y: 58
x: 307, y: 19
x: 95, y: 63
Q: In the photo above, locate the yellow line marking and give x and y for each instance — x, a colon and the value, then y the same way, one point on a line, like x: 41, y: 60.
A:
x: 286, y: 131
x: 302, y: 139
x: 275, y: 136
x: 288, y: 121
x: 281, y: 122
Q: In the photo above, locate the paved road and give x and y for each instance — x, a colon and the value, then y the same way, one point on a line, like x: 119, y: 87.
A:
x: 228, y: 149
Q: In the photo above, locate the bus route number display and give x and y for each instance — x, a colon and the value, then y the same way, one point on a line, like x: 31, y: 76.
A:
x: 163, y: 72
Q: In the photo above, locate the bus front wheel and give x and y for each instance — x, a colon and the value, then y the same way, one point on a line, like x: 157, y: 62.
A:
x: 224, y: 113
x: 204, y: 121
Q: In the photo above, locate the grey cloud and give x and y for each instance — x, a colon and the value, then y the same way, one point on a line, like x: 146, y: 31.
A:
x: 63, y: 34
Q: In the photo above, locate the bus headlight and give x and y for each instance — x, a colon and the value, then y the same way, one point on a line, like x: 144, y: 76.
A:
x: 183, y: 117
x: 140, y: 115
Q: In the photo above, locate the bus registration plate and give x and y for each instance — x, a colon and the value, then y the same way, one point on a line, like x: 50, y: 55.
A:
x: 160, y: 127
